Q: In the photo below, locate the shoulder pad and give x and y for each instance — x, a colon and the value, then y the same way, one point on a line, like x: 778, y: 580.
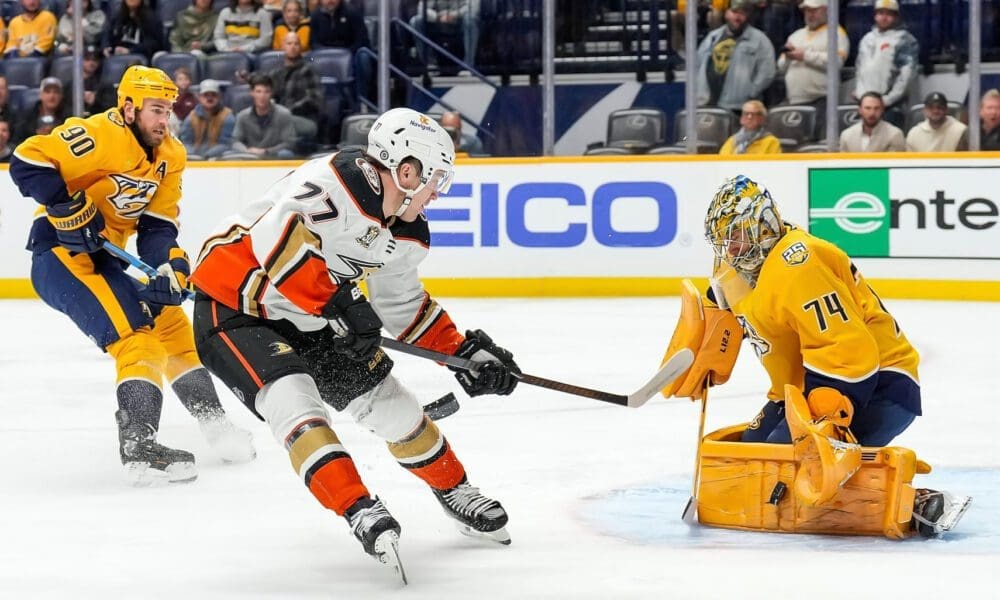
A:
x: 418, y: 231
x: 361, y: 180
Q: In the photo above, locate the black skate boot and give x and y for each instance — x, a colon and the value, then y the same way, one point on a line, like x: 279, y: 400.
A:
x: 936, y: 512
x: 477, y: 515
x: 147, y: 462
x: 378, y: 532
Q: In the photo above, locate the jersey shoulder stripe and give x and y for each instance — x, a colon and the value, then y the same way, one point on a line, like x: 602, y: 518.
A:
x: 361, y: 181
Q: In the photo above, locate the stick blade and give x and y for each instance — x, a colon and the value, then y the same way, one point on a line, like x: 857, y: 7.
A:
x: 675, y: 366
x: 690, y: 514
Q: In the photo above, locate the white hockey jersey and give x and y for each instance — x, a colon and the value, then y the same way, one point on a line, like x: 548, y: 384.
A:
x: 319, y: 227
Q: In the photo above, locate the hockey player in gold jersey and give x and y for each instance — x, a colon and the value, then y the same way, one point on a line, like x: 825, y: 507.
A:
x: 111, y: 176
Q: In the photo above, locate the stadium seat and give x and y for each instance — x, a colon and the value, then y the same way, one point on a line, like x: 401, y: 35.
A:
x: 668, y: 150
x: 26, y: 97
x: 168, y: 9
x: 116, y: 65
x: 354, y: 129
x: 171, y: 61
x: 27, y: 71
x: 636, y: 129
x: 62, y: 69
x: 237, y: 97
x: 792, y: 125
x: 607, y: 151
x: 812, y: 148
x: 847, y: 115
x: 332, y: 62
x: 269, y: 61
x: 714, y: 126
x: 224, y: 66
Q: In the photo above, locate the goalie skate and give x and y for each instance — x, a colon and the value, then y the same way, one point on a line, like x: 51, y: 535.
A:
x: 936, y: 512
x: 232, y: 444
x: 147, y: 462
x: 475, y: 514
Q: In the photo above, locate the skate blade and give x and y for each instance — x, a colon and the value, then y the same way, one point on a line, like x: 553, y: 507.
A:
x: 956, y: 507
x: 387, y: 553
x: 141, y: 474
x: 499, y: 536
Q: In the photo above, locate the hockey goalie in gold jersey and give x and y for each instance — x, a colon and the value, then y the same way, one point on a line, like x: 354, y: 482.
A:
x: 843, y: 378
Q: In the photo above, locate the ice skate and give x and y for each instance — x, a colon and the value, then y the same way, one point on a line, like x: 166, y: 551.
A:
x: 148, y: 462
x: 377, y: 531
x: 232, y: 444
x: 476, y: 515
x: 936, y: 512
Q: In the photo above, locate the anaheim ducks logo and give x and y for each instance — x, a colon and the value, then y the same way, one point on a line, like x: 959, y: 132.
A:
x: 132, y: 196
x: 371, y: 175
x: 279, y: 348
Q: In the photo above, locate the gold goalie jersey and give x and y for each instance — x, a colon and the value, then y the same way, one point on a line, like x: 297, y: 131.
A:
x: 101, y: 155
x: 812, y: 309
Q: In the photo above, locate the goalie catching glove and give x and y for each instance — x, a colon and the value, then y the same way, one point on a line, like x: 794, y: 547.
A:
x: 78, y: 223
x: 168, y: 286
x: 363, y: 329
x: 496, y: 366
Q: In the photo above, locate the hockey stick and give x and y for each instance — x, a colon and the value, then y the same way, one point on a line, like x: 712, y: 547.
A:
x: 677, y: 364
x: 137, y: 262
x: 690, y: 514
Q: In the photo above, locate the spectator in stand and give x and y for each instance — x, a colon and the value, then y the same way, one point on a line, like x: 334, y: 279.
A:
x: 939, y: 131
x: 871, y: 133
x: 31, y: 33
x: 93, y: 19
x: 264, y: 129
x: 292, y: 21
x: 49, y: 111
x: 335, y: 25
x: 98, y: 96
x: 6, y: 112
x: 989, y: 117
x: 753, y: 137
x: 134, y: 30
x: 465, y: 143
x: 887, y: 61
x: 185, y: 102
x: 804, y: 60
x: 208, y: 130
x: 194, y: 29
x: 736, y: 61
x: 243, y: 26
x: 6, y: 148
x: 463, y: 14
x: 297, y: 87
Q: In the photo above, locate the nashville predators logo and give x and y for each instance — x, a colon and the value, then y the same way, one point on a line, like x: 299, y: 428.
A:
x: 796, y: 254
x: 279, y: 348
x: 132, y: 196
x: 760, y: 345
x: 721, y: 54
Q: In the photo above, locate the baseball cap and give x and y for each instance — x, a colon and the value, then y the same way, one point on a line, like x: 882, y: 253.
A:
x: 48, y: 82
x: 813, y: 4
x: 935, y: 98
x: 91, y: 52
x: 741, y: 5
x: 210, y: 86
x: 892, y: 5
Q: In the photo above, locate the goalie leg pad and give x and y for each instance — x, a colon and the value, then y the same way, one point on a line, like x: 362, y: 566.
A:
x: 823, y: 446
x: 750, y: 486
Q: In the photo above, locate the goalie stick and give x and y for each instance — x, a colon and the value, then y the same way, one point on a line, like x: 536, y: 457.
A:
x: 675, y: 366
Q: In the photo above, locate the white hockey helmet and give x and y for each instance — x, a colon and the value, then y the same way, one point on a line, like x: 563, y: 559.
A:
x: 402, y: 133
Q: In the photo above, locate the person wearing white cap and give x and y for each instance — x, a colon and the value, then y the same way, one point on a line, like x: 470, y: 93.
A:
x: 887, y: 60
x: 208, y: 129
x: 804, y: 60
x: 48, y: 112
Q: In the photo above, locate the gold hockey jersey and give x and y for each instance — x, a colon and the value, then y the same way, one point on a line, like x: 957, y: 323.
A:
x: 812, y: 310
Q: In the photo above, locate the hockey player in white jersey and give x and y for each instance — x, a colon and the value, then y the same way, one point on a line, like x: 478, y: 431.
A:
x: 280, y: 319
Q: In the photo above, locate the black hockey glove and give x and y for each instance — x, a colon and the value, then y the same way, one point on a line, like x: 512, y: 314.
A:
x: 352, y: 310
x: 166, y: 288
x: 496, y: 370
x: 78, y: 223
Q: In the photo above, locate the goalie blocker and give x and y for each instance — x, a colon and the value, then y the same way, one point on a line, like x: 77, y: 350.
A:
x: 823, y: 482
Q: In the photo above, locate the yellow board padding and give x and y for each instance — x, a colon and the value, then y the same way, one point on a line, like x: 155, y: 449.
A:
x: 612, y: 287
x: 739, y: 489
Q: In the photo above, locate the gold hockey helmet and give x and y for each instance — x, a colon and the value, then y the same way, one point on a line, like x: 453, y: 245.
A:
x: 743, y: 224
x: 140, y: 83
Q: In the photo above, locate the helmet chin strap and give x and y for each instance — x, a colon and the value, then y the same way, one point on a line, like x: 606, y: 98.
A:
x: 408, y: 194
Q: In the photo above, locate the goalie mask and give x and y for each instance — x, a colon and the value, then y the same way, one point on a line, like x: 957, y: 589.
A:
x: 743, y: 225
x: 403, y: 133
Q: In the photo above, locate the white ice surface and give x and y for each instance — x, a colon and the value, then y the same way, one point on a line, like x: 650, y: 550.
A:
x: 594, y: 491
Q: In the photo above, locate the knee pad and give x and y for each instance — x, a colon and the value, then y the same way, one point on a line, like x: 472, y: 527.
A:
x: 139, y: 355
x: 289, y: 401
x: 175, y: 333
x: 389, y: 410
